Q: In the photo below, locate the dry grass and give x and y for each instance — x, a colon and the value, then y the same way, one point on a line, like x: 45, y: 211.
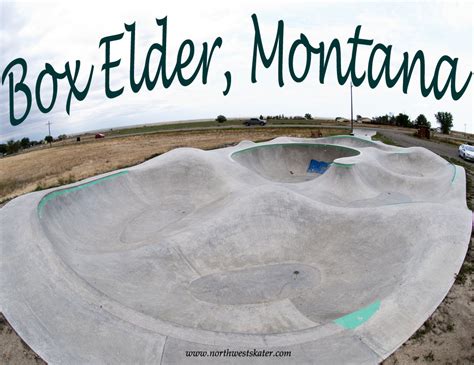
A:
x: 59, y: 165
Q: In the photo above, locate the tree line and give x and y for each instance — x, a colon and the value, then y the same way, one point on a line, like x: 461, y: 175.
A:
x: 222, y: 118
x: 15, y: 146
x: 444, y: 119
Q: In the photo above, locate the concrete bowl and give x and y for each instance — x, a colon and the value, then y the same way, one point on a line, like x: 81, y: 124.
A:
x: 334, y: 249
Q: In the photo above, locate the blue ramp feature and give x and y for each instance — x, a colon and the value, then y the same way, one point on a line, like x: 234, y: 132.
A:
x: 318, y: 167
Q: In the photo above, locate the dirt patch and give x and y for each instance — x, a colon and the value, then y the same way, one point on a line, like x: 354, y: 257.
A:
x: 14, y: 351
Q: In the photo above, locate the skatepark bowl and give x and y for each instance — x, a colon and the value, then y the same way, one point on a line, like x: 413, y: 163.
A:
x: 336, y: 249
x: 291, y: 162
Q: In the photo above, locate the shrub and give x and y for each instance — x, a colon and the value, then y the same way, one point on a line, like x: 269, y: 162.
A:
x: 221, y: 118
x: 13, y: 146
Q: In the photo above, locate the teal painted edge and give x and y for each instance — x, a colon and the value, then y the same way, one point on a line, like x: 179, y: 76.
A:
x: 57, y: 193
x: 353, y: 137
x: 343, y: 164
x: 355, y: 319
x: 298, y: 144
x: 454, y: 174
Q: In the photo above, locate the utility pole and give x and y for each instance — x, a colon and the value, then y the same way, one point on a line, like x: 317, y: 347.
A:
x: 352, y: 116
x: 49, y: 132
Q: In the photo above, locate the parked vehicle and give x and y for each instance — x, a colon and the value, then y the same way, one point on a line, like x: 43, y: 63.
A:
x: 466, y: 152
x: 255, y: 121
x: 99, y: 135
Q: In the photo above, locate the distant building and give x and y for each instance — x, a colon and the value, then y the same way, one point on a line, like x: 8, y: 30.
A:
x: 363, y: 119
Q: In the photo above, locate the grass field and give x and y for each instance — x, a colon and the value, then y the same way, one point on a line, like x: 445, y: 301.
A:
x: 231, y: 123
x: 66, y: 163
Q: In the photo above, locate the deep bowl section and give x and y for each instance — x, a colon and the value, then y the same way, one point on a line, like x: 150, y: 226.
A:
x: 291, y: 162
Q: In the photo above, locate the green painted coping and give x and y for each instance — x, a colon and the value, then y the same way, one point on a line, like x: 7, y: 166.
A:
x: 57, y: 193
x: 343, y: 164
x: 453, y: 165
x: 355, y: 319
x: 454, y: 174
x: 298, y: 144
x: 353, y: 137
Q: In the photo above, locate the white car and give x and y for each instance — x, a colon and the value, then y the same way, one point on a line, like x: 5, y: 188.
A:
x: 466, y: 152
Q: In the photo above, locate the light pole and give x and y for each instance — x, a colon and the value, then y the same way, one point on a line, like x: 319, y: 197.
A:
x: 352, y: 116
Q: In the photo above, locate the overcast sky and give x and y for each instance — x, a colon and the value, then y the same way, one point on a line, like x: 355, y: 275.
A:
x: 57, y: 32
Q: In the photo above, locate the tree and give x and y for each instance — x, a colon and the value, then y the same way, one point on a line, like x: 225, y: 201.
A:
x: 445, y: 120
x: 221, y: 118
x: 3, y: 149
x: 25, y: 142
x: 13, y: 146
x: 62, y: 137
x: 48, y: 139
x: 383, y: 119
x: 421, y: 121
x: 308, y: 116
x: 403, y: 120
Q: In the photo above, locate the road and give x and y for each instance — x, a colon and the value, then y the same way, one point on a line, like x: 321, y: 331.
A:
x: 406, y: 140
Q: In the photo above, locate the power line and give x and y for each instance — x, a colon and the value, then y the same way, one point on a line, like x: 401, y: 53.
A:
x: 352, y: 116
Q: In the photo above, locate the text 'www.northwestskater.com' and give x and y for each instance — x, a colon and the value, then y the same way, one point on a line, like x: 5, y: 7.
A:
x: 238, y: 353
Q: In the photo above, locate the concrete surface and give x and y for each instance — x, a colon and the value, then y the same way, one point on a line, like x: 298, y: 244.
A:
x: 239, y: 248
